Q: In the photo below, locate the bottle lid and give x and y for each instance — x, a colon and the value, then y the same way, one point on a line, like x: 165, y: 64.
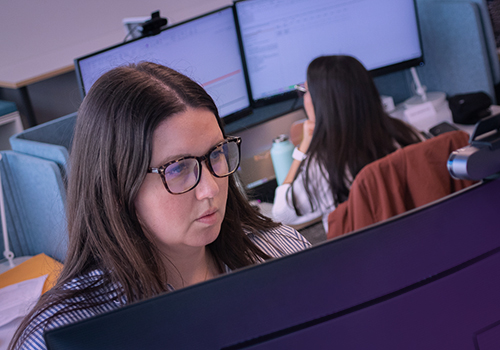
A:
x: 281, y: 138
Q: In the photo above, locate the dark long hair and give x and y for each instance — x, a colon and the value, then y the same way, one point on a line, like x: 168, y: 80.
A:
x: 352, y: 129
x: 111, y: 151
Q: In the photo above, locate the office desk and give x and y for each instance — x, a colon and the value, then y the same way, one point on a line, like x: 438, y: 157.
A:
x: 443, y: 114
x: 256, y: 167
x: 257, y: 173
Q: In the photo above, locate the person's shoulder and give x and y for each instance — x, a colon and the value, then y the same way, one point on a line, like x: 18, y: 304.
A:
x: 98, y: 289
x: 280, y: 240
x: 73, y: 309
x: 84, y: 280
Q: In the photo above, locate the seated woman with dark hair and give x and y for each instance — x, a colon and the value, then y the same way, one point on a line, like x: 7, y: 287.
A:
x: 153, y: 200
x: 347, y: 128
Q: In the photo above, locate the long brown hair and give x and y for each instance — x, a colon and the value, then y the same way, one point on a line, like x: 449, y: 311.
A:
x: 352, y: 129
x: 110, y: 154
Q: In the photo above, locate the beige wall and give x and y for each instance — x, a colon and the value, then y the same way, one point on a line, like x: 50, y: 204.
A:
x: 30, y: 28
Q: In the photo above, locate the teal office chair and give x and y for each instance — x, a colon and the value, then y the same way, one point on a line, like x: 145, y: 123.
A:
x: 34, y: 197
x: 51, y: 141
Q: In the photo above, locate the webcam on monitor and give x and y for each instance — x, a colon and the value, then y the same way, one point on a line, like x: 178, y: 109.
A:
x: 154, y: 25
x: 136, y: 27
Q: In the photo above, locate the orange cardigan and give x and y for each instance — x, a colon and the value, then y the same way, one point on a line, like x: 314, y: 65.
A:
x: 405, y: 179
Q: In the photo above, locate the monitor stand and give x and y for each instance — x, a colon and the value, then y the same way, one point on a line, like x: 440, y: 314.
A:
x: 7, y: 265
x: 437, y: 98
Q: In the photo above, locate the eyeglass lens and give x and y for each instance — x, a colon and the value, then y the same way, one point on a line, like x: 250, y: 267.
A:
x: 184, y: 174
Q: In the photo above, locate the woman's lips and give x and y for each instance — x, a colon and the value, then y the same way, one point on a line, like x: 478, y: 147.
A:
x: 209, y: 217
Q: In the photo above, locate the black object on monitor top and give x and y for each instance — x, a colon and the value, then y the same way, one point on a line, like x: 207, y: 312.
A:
x: 205, y: 48
x: 281, y: 37
x: 427, y: 279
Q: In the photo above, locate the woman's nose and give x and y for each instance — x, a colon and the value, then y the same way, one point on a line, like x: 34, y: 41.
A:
x: 208, y: 186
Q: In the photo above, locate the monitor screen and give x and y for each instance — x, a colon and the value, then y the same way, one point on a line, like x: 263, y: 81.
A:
x: 427, y: 279
x: 281, y: 37
x: 205, y: 48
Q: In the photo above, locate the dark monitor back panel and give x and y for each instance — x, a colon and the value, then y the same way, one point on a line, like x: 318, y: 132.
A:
x: 329, y: 285
x: 459, y: 310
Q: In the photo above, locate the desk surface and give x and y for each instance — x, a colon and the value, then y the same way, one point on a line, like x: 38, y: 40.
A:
x: 442, y: 114
x: 257, y: 170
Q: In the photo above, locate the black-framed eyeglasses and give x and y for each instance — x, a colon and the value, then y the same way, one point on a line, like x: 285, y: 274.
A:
x: 183, y: 174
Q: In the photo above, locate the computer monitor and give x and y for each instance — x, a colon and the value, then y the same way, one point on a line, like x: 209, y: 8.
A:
x: 427, y: 279
x: 281, y: 37
x: 205, y: 48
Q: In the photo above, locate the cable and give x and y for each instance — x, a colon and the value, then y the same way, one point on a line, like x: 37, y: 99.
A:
x: 131, y: 31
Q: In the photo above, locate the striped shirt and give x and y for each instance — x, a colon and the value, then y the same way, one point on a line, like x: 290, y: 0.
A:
x: 276, y: 243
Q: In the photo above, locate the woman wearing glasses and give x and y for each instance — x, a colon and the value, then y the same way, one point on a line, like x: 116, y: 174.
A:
x: 347, y: 128
x: 153, y: 205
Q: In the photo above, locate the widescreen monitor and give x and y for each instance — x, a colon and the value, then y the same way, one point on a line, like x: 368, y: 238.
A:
x: 281, y: 37
x: 205, y: 48
x: 427, y: 279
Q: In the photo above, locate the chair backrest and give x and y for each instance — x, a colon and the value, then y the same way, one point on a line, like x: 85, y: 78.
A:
x: 403, y: 180
x: 35, y: 198
x: 51, y: 141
